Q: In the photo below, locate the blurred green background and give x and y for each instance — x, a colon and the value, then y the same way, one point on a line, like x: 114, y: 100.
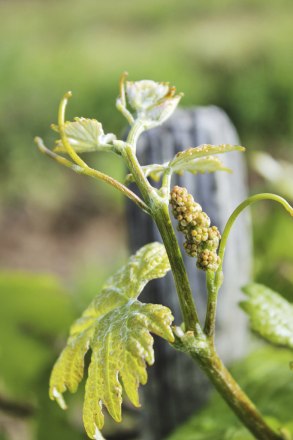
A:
x: 237, y: 55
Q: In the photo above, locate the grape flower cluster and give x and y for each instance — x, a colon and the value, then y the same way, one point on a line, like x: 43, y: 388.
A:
x: 202, y: 240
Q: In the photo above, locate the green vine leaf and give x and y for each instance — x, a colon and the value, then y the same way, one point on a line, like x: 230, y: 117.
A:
x: 271, y: 316
x: 85, y: 135
x: 208, y: 164
x: 116, y: 326
x: 192, y: 159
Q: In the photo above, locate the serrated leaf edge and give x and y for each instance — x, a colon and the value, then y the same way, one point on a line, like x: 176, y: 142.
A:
x: 84, y: 327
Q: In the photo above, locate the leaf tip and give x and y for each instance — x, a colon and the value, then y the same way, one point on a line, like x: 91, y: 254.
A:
x: 123, y: 75
x: 68, y: 95
x: 56, y: 395
x: 171, y: 338
x: 39, y: 142
x: 98, y: 435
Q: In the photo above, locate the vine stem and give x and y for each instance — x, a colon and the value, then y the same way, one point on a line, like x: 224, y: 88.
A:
x: 160, y: 213
x: 235, y: 397
x: 212, y: 364
x: 207, y: 356
x: 210, y: 321
x: 189, y: 313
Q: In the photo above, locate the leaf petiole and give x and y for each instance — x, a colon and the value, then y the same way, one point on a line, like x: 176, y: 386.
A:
x: 92, y: 173
x: 249, y: 201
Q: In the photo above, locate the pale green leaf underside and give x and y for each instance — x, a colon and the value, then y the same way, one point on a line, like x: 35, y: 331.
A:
x: 271, y: 316
x: 116, y: 326
x: 209, y: 164
x: 204, y: 150
x: 85, y: 135
x: 194, y: 160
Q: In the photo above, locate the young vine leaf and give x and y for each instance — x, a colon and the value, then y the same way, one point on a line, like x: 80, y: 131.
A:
x: 116, y: 326
x: 85, y: 135
x: 209, y: 164
x: 200, y: 159
x: 152, y: 102
x: 271, y: 315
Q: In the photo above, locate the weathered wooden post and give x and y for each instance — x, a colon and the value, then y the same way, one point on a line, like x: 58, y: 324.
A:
x: 176, y: 387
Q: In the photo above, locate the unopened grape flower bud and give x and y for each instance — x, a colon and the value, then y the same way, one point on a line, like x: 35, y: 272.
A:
x: 208, y: 260
x: 202, y: 240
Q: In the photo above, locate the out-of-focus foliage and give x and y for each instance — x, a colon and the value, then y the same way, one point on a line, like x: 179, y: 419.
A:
x: 278, y: 173
x: 34, y: 314
x: 274, y: 257
x: 271, y: 316
x: 231, y: 54
x: 34, y: 311
x: 267, y: 379
x: 273, y: 262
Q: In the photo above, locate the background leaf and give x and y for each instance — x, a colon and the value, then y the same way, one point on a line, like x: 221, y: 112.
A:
x: 277, y: 173
x: 271, y: 316
x: 26, y: 331
x: 35, y: 313
x: 116, y: 326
